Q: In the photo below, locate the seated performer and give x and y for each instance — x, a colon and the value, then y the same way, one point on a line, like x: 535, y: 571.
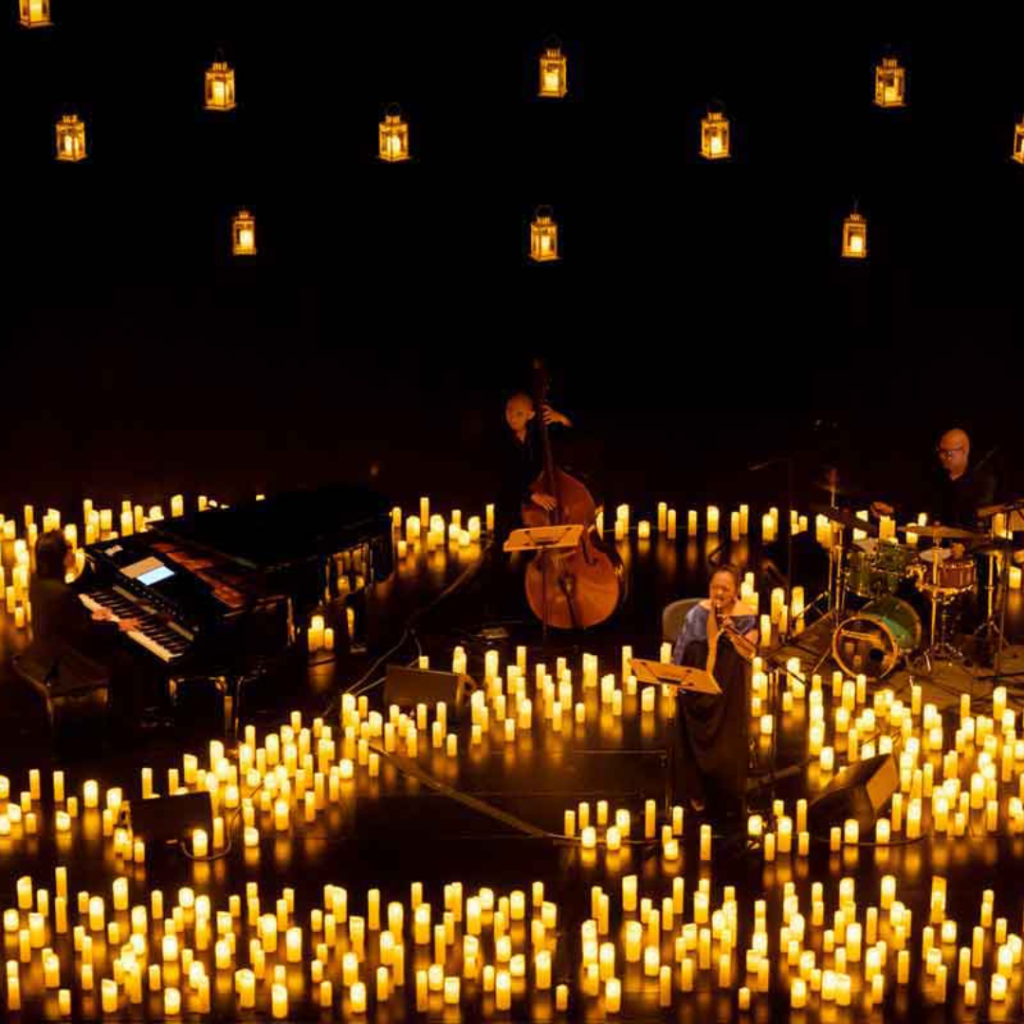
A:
x: 522, y: 459
x: 953, y: 499
x: 72, y: 643
x: 720, y: 636
x: 954, y: 495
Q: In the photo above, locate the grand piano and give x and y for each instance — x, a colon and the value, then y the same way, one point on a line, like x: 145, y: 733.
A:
x: 228, y: 583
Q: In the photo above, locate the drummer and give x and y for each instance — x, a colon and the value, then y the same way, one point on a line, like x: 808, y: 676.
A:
x: 953, y: 498
x: 958, y: 491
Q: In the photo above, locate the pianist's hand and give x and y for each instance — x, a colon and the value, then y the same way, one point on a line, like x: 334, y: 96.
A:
x: 125, y: 625
x: 101, y: 615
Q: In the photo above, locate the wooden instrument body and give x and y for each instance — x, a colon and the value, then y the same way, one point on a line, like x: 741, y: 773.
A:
x: 582, y: 586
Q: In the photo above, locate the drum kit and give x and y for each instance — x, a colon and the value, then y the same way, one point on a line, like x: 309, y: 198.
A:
x: 872, y: 582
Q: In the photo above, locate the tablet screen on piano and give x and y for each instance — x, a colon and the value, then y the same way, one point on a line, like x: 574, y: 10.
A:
x: 147, y: 571
x: 155, y: 575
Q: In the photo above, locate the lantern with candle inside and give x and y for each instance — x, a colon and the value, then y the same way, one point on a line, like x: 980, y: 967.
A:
x: 393, y: 136
x: 243, y: 234
x: 714, y: 136
x: 1018, y: 143
x: 855, y: 236
x: 890, y: 83
x: 553, y: 78
x: 220, y: 86
x: 34, y: 13
x: 70, y: 139
x: 543, y: 236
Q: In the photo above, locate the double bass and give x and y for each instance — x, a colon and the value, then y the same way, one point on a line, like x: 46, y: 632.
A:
x: 577, y: 587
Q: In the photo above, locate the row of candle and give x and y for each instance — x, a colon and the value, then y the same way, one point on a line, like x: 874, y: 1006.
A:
x: 850, y: 941
x: 739, y: 523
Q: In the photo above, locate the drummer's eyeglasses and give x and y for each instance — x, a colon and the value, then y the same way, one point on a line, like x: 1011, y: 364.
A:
x: 948, y: 453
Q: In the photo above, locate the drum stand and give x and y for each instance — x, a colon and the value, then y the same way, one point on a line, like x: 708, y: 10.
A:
x: 1000, y: 630
x: 990, y: 633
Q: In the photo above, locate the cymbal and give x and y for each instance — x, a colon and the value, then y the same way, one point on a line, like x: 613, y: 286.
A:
x: 845, y: 517
x: 1007, y: 506
x: 941, y: 532
x: 994, y: 546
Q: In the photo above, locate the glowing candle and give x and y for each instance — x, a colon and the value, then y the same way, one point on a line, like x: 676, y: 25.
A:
x: 96, y: 914
x: 798, y: 994
x: 612, y: 995
x: 108, y: 996
x: 686, y: 975
x: 998, y: 992
x: 914, y: 820
x: 91, y: 794
x: 502, y: 990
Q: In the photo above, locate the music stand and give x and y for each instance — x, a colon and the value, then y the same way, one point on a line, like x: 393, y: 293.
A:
x: 544, y: 539
x: 682, y: 677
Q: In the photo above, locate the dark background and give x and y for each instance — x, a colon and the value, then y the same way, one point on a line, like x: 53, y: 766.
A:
x: 701, y: 319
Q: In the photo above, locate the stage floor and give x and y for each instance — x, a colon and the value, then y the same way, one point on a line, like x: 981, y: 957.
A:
x: 411, y: 823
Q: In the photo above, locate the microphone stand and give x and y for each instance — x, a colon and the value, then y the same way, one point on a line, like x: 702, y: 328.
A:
x: 790, y: 462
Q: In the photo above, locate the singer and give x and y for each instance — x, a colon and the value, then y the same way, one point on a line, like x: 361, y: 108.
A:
x: 720, y: 636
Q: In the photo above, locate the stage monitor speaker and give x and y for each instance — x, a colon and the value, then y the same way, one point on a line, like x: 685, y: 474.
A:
x: 859, y: 791
x: 169, y: 818
x: 408, y: 687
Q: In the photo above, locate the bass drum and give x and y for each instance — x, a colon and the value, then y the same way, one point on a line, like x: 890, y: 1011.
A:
x: 872, y: 641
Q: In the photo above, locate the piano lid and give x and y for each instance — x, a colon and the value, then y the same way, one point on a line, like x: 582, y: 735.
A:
x: 285, y: 529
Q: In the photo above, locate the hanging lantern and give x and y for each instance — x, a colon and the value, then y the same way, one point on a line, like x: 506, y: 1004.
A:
x: 855, y: 236
x: 1018, y: 143
x: 220, y: 86
x: 243, y: 234
x: 393, y: 136
x: 70, y: 139
x: 890, y: 83
x: 543, y: 236
x: 35, y: 13
x: 714, y: 136
x: 553, y: 82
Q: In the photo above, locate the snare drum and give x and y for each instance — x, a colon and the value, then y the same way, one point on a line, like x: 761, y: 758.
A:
x: 958, y: 574
x: 952, y: 575
x: 873, y: 640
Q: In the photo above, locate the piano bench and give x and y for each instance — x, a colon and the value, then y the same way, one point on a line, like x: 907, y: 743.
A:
x: 78, y: 689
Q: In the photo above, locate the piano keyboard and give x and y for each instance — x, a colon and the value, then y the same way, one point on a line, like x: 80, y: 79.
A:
x: 156, y: 632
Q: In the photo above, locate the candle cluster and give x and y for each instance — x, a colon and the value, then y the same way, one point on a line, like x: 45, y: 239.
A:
x: 496, y: 951
x: 429, y: 532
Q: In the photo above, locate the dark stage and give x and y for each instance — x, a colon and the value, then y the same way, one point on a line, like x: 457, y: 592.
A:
x: 712, y: 346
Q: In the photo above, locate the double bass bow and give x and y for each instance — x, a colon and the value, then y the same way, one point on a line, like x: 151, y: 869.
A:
x: 576, y: 587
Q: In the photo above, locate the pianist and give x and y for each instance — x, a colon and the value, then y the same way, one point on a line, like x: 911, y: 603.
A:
x: 69, y: 640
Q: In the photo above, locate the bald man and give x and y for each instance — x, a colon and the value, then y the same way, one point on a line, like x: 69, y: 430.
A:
x: 956, y: 494
x: 522, y: 459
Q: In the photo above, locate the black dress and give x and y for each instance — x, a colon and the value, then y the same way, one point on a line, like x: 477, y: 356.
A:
x: 712, y: 762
